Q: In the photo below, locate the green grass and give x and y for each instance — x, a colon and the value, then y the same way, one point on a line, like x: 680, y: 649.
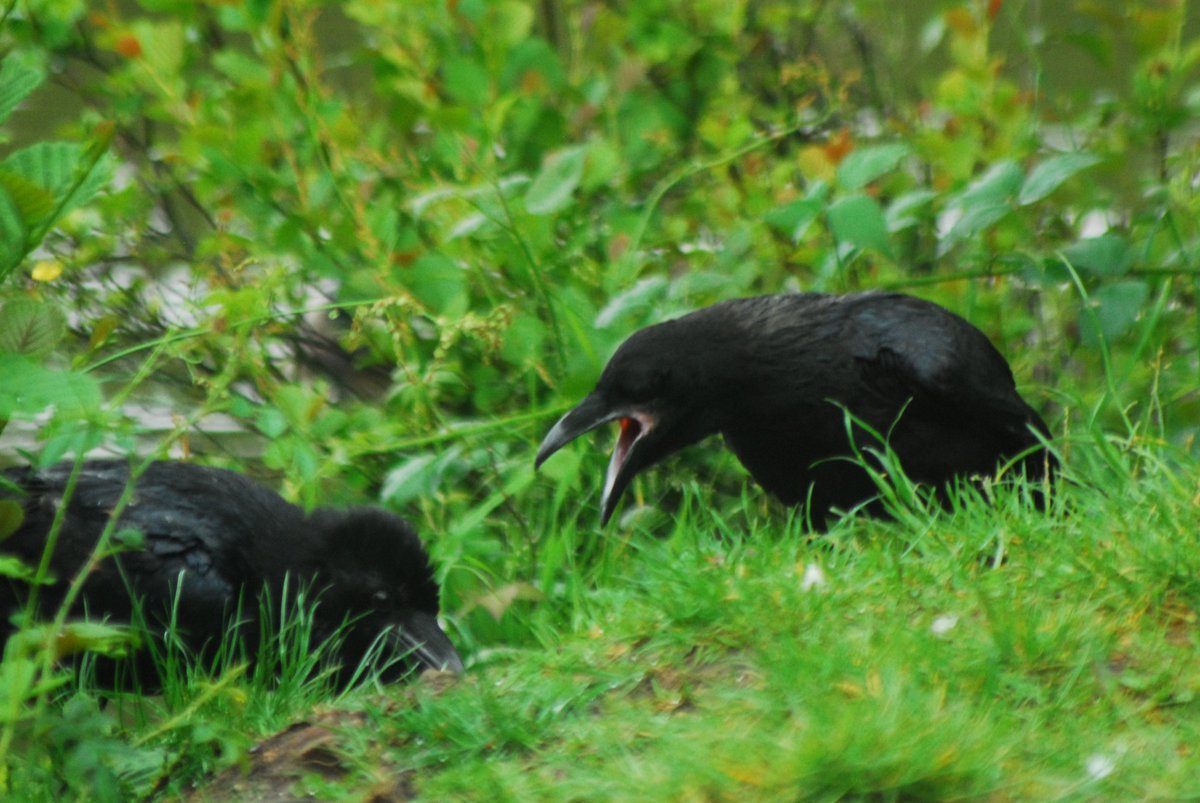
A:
x: 985, y: 652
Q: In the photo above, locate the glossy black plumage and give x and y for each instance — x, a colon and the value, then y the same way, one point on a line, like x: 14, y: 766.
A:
x: 223, y: 541
x: 769, y: 374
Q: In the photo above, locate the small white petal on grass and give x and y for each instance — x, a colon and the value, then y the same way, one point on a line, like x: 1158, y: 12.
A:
x: 1100, y: 766
x: 814, y: 577
x: 943, y: 624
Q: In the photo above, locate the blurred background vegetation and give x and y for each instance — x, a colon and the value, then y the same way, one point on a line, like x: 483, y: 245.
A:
x: 369, y: 250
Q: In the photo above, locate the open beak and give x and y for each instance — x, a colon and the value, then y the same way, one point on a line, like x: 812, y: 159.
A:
x: 589, y: 414
x: 418, y: 631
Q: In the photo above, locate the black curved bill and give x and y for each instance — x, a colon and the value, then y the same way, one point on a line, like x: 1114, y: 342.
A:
x: 429, y: 645
x: 587, y: 415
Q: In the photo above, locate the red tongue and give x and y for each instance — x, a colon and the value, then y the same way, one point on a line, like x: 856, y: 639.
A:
x: 630, y: 428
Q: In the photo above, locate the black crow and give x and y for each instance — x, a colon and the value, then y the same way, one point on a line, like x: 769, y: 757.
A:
x: 774, y: 375
x: 220, y: 543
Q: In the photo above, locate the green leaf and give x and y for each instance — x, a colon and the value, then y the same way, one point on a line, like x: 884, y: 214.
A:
x: 438, y: 283
x: 1047, y: 176
x: 420, y: 476
x: 467, y: 82
x: 1117, y: 307
x: 114, y: 640
x: 12, y: 566
x: 241, y: 67
x: 34, y: 202
x: 28, y: 388
x: 12, y: 516
x: 410, y: 479
x: 907, y: 210
x: 998, y: 185
x: 1106, y: 256
x: 29, y: 326
x: 646, y: 294
x: 975, y: 219
x: 17, y: 80
x: 986, y: 201
x: 96, y: 173
x: 63, y: 437
x: 795, y: 218
x: 164, y: 46
x: 271, y: 422
x: 510, y: 22
x: 863, y: 166
x: 859, y: 220
x: 554, y: 184
x: 49, y: 165
x: 14, y: 234
x: 524, y: 340
x: 69, y: 172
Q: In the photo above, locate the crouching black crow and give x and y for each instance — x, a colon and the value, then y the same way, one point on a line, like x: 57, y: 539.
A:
x: 776, y: 374
x: 215, y: 546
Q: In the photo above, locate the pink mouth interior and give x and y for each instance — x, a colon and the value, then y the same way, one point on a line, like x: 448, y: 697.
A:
x: 631, y: 430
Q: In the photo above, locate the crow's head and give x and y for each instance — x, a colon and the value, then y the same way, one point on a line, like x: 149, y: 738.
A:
x: 659, y: 388
x: 376, y: 576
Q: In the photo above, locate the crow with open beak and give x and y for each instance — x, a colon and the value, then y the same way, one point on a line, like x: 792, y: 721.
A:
x: 776, y: 375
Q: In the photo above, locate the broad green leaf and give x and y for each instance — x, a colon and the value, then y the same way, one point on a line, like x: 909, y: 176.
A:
x: 859, y: 221
x: 932, y: 33
x: 506, y: 186
x: 14, y: 234
x: 271, y: 422
x: 906, y: 211
x: 510, y: 21
x: 29, y: 326
x: 1050, y: 271
x: 420, y: 475
x: 987, y: 200
x: 863, y: 166
x: 96, y: 637
x: 12, y: 566
x: 438, y: 283
x: 164, y: 45
x: 467, y: 82
x: 644, y: 294
x: 974, y: 219
x: 1117, y: 307
x: 604, y: 164
x: 795, y: 218
x: 1046, y: 176
x: 28, y: 388
x: 554, y: 184
x: 1106, y: 256
x: 241, y: 67
x: 467, y: 225
x: 524, y: 339
x: 66, y: 437
x: 70, y: 173
x: 997, y: 186
x: 410, y: 479
x: 12, y: 515
x: 18, y: 78
x: 34, y: 203
x: 49, y: 165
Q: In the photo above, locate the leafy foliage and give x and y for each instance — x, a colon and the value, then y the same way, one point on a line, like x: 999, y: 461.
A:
x: 374, y: 247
